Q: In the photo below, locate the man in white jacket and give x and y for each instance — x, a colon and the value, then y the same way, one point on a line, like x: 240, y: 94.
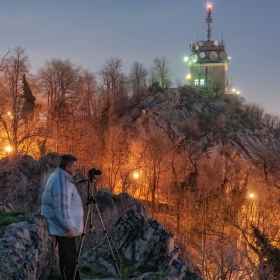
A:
x: 63, y: 210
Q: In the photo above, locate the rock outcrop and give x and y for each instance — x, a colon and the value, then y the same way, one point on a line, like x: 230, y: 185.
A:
x: 26, y: 250
x: 147, y: 246
x: 112, y: 207
x: 167, y: 115
x: 21, y: 180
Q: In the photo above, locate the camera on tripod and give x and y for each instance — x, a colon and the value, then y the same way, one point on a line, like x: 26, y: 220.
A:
x: 91, y: 202
x: 92, y: 173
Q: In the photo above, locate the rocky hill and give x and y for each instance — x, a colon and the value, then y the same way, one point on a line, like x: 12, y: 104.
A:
x: 185, y: 114
x: 138, y: 247
x: 198, y: 157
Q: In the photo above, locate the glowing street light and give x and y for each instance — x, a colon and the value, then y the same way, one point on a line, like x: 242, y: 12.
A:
x: 186, y: 59
x: 136, y: 175
x: 188, y: 77
x: 8, y: 149
x: 251, y: 195
x: 236, y: 91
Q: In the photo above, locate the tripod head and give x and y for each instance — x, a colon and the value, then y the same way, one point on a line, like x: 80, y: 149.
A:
x: 92, y: 173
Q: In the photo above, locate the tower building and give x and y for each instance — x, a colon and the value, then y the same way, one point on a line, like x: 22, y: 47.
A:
x: 208, y: 62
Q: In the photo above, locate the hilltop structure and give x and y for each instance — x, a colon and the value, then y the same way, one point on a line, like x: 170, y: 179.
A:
x: 208, y: 62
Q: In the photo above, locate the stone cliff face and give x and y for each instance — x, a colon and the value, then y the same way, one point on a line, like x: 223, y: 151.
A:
x: 145, y: 244
x: 112, y: 207
x: 171, y: 112
x: 21, y: 180
x: 26, y: 250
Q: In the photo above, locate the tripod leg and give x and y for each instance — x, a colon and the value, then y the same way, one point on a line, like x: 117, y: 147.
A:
x: 90, y: 209
x: 107, y: 238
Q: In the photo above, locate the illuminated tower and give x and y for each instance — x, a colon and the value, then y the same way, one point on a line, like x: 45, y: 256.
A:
x: 208, y: 62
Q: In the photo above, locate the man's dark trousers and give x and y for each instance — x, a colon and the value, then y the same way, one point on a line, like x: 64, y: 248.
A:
x: 67, y: 255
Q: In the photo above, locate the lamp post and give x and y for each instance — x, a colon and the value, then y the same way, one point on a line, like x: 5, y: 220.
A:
x: 136, y: 175
x: 188, y: 78
x: 8, y: 149
x: 237, y: 93
x: 252, y: 206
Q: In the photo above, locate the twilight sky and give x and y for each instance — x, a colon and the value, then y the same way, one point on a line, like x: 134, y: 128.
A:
x: 90, y: 31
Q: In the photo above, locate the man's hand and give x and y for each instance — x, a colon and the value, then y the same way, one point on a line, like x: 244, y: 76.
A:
x: 70, y: 232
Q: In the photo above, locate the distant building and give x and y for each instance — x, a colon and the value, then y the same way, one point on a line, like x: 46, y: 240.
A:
x: 208, y: 63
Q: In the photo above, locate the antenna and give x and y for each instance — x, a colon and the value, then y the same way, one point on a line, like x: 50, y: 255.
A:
x: 209, y: 19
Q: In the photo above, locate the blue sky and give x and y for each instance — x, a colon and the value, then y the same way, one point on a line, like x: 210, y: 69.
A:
x: 90, y: 31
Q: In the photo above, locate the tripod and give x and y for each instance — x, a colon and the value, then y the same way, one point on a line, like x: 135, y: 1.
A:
x: 91, y: 201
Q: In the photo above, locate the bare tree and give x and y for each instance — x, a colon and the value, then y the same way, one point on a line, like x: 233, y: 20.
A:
x: 112, y: 79
x: 138, y: 77
x: 86, y: 99
x: 254, y: 111
x: 58, y: 79
x: 219, y: 87
x: 162, y: 69
x: 17, y: 110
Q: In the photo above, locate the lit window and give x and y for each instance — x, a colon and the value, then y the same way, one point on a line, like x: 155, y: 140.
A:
x: 196, y: 70
x: 202, y: 82
x: 196, y: 82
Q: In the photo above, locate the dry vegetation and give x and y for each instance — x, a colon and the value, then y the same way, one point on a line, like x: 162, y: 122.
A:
x: 224, y: 211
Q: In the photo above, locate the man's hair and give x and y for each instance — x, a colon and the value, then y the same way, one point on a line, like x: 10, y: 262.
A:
x: 67, y: 160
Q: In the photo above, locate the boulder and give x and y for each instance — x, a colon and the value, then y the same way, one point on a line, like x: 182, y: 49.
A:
x: 22, y: 178
x: 144, y: 243
x: 26, y: 250
x: 111, y: 208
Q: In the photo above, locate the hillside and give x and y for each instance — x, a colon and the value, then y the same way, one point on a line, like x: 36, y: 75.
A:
x: 206, y: 169
x: 186, y: 113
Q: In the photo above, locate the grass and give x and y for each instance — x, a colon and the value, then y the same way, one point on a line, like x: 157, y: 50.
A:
x: 189, y: 275
x: 159, y: 274
x: 127, y: 269
x: 7, y: 218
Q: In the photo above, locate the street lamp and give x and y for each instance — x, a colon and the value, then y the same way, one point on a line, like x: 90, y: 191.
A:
x: 8, y: 149
x: 136, y: 175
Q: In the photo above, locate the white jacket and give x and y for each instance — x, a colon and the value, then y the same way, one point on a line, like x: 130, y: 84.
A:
x: 62, y: 205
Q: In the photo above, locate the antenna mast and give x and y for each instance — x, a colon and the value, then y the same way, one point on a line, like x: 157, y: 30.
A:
x: 209, y: 19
